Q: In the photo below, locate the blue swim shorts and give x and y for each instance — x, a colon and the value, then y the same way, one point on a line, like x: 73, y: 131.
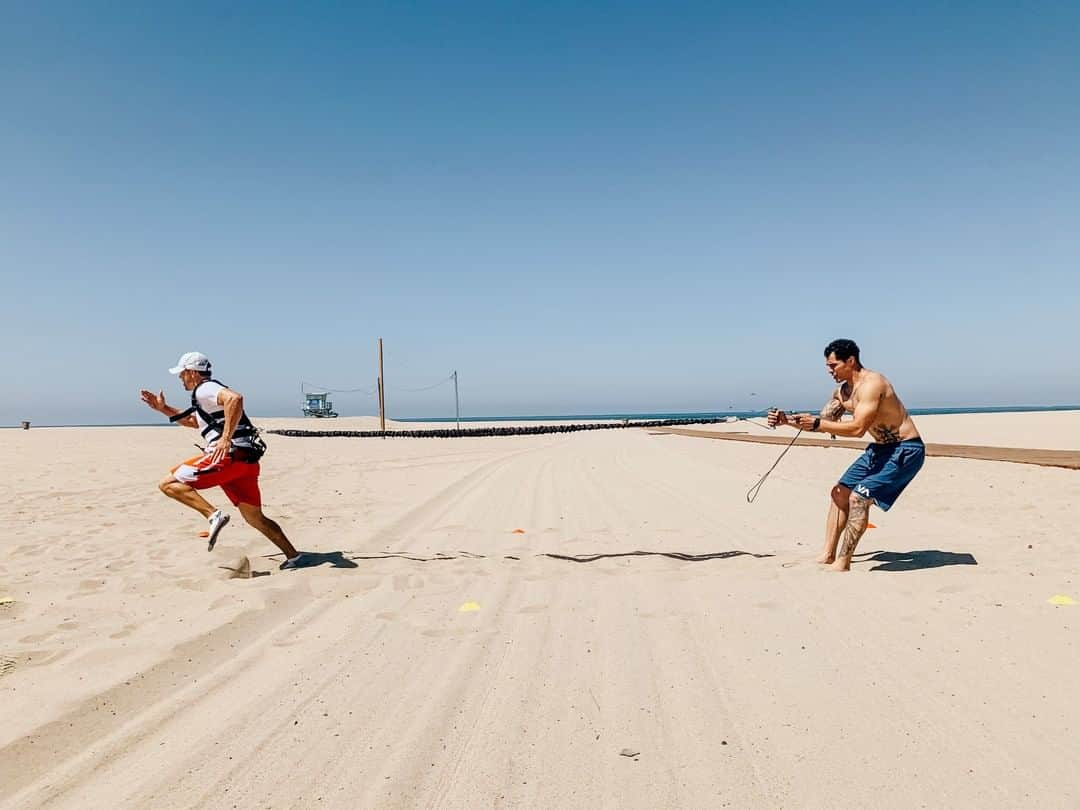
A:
x: 883, y: 471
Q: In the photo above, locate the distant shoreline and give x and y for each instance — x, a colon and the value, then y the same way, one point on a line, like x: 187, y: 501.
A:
x: 719, y: 414
x: 602, y: 416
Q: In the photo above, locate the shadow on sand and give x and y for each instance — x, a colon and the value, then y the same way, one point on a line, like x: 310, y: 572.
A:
x: 915, y: 560
x: 314, y: 559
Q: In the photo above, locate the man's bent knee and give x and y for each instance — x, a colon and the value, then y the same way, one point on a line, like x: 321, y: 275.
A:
x: 841, y: 496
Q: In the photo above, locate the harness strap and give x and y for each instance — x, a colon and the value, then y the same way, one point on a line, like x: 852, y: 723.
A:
x: 241, y: 432
x: 183, y: 415
x: 215, y: 422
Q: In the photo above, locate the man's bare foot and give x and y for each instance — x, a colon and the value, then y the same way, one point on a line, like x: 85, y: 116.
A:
x: 826, y: 559
x: 840, y: 565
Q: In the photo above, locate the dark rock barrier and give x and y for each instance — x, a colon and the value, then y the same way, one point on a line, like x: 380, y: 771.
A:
x: 519, y: 430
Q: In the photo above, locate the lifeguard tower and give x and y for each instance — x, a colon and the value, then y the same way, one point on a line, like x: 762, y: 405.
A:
x: 316, y: 404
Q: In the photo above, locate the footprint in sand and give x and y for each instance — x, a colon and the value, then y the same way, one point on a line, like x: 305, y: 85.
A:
x: 39, y: 658
x: 191, y: 584
x: 7, y: 665
x: 288, y: 642
x: 459, y: 632
x: 367, y: 583
x: 408, y: 582
x: 37, y: 638
x: 533, y: 609
x: 443, y: 633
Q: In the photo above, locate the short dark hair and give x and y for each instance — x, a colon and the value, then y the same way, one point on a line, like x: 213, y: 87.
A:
x: 843, y: 349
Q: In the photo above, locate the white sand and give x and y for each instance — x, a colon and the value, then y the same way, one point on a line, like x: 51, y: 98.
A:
x: 135, y: 673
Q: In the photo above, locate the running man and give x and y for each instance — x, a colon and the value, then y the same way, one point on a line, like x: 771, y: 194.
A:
x: 887, y: 466
x: 231, y: 457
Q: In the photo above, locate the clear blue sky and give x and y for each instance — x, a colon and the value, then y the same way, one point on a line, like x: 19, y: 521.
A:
x: 581, y: 207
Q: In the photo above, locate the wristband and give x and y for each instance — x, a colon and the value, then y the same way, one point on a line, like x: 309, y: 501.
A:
x: 817, y: 423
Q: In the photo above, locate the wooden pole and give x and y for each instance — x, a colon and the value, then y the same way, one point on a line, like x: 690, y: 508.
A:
x: 457, y: 403
x: 382, y: 392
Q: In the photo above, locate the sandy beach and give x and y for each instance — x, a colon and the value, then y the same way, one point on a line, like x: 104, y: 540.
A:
x: 581, y: 620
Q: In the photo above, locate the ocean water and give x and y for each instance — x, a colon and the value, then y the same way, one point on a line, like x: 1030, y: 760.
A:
x: 612, y: 417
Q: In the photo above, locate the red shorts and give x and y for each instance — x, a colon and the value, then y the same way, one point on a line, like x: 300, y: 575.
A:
x: 237, y: 479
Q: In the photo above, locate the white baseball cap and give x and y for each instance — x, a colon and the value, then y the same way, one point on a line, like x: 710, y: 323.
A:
x: 193, y: 361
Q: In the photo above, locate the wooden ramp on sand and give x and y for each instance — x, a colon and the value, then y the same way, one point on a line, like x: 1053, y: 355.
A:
x: 1068, y: 459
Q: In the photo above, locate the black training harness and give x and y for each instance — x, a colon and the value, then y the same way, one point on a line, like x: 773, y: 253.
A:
x: 215, y: 423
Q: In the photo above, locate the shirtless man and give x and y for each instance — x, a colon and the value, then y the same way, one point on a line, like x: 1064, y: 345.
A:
x: 887, y: 466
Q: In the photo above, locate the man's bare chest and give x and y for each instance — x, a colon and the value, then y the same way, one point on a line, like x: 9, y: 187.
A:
x: 848, y: 397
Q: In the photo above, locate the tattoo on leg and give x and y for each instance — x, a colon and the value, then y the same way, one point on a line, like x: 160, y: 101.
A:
x: 858, y: 517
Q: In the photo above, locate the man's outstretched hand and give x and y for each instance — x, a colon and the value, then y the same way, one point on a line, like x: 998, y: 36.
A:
x: 154, y: 401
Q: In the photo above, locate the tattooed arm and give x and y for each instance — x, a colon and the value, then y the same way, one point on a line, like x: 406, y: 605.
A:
x: 834, y: 408
x: 866, y: 409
